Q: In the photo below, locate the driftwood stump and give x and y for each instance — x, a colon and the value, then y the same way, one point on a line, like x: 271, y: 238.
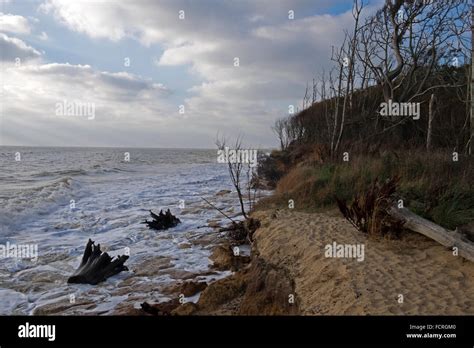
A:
x: 96, y: 266
x: 162, y: 221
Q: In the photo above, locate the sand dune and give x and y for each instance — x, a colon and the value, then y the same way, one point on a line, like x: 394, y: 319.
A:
x: 431, y: 279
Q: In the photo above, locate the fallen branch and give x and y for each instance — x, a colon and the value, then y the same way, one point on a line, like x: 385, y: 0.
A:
x: 375, y: 212
x: 218, y: 209
x: 433, y: 231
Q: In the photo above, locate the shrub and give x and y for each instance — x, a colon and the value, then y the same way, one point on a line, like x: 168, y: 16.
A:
x: 368, y: 212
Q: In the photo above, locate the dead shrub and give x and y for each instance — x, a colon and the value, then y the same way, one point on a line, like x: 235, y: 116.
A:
x: 368, y: 212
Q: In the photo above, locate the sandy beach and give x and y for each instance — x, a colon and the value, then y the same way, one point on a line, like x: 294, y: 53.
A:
x: 292, y: 244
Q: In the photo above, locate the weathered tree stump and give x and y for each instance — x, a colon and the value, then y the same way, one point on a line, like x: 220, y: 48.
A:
x: 162, y: 221
x: 96, y: 266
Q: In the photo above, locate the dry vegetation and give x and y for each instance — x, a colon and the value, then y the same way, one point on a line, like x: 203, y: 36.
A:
x: 339, y: 145
x: 432, y: 186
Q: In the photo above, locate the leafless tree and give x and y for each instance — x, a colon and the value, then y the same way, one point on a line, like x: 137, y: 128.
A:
x: 471, y: 135
x: 343, y: 86
x: 235, y: 170
x: 431, y: 114
x: 349, y: 63
x: 405, y: 41
x: 281, y: 130
x: 404, y: 52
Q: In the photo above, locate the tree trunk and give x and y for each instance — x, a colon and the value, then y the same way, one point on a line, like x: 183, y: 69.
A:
x: 439, y: 234
x: 471, y: 137
x: 430, y: 122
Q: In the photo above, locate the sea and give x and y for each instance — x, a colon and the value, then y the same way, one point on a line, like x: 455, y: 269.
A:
x: 54, y: 199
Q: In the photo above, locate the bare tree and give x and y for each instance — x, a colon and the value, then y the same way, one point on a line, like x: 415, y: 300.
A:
x: 349, y: 63
x: 281, y: 130
x: 430, y: 122
x: 339, y: 57
x: 402, y: 53
x: 253, y: 184
x: 343, y: 86
x: 405, y: 41
x: 235, y: 170
x: 471, y: 135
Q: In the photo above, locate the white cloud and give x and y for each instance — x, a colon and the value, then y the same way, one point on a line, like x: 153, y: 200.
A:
x: 14, y: 24
x: 185, y: 54
x: 277, y: 58
x: 121, y: 100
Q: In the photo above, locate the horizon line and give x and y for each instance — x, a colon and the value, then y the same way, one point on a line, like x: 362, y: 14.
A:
x: 124, y: 147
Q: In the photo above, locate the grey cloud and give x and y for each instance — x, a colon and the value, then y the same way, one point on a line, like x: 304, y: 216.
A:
x: 12, y: 49
x: 277, y: 57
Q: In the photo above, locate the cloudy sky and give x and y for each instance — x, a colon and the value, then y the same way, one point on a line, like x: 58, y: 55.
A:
x: 159, y: 73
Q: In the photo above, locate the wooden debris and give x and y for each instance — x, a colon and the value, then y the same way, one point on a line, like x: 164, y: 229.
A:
x: 97, y: 266
x: 376, y: 212
x: 162, y: 221
x: 431, y: 230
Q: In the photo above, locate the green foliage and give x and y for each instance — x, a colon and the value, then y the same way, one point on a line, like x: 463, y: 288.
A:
x: 431, y: 185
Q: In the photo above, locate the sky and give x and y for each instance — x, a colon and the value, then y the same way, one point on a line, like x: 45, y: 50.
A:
x: 159, y: 73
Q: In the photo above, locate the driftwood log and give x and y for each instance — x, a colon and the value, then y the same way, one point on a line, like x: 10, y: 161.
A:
x: 162, y: 221
x: 431, y: 230
x: 97, y: 266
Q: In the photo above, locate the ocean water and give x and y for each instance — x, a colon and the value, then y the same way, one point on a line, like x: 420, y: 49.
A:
x: 58, y: 198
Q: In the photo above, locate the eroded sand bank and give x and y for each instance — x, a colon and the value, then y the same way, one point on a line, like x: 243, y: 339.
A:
x: 431, y: 279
